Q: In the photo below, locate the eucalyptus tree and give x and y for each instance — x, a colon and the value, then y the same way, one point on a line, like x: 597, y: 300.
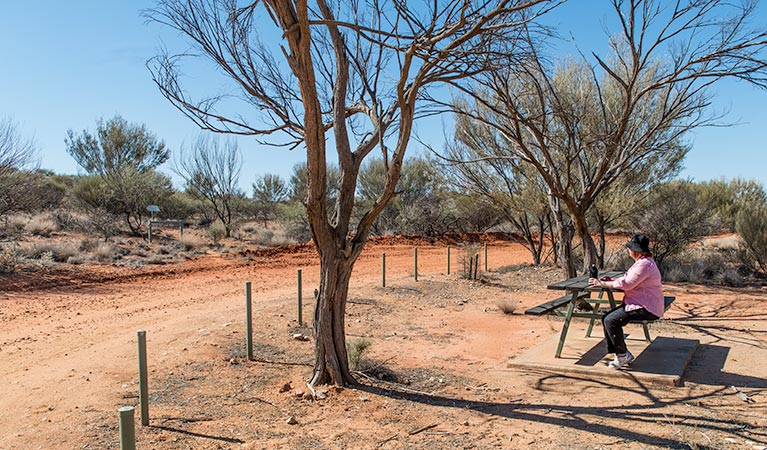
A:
x: 269, y: 190
x: 630, y: 194
x: 123, y: 157
x: 334, y: 76
x: 211, y: 171
x: 477, y: 161
x: 584, y: 125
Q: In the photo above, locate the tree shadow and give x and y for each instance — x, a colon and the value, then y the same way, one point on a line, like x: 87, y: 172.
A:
x: 642, y: 416
x: 199, y: 435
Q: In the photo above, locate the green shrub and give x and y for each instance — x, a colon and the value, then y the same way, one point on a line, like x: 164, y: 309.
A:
x: 355, y: 349
x: 674, y: 218
x: 752, y: 227
x: 217, y: 231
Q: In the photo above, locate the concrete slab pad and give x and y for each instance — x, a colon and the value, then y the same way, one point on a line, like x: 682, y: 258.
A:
x: 662, y: 361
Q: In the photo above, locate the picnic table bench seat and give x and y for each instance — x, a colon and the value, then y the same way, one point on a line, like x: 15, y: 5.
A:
x: 545, y: 308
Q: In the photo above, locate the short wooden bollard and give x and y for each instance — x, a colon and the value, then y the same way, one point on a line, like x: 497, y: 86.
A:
x: 383, y: 269
x: 143, y: 388
x: 415, y: 263
x: 485, y: 256
x: 248, y: 322
x: 300, y: 319
x: 127, y: 428
x: 448, y: 260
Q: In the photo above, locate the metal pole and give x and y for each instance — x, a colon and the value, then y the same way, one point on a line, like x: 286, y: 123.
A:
x: 300, y: 321
x: 127, y: 428
x: 485, y: 256
x: 143, y: 395
x: 415, y: 262
x: 383, y: 269
x: 448, y: 260
x: 150, y: 231
x: 248, y: 321
x: 181, y: 231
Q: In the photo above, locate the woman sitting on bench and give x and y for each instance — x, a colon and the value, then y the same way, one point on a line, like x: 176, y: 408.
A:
x: 642, y: 299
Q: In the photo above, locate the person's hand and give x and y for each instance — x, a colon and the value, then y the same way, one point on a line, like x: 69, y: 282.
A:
x: 593, y: 282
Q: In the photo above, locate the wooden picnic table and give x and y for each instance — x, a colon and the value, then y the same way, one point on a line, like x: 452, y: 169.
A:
x: 579, y: 291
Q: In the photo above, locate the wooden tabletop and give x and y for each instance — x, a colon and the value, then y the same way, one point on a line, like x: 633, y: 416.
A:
x: 581, y: 283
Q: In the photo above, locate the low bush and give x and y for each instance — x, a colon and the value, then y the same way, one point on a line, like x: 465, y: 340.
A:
x: 10, y: 259
x: 703, y: 266
x: 264, y: 237
x: 88, y: 245
x: 216, y: 232
x: 752, y: 227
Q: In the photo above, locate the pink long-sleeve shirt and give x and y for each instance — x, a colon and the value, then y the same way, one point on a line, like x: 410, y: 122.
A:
x: 642, y: 287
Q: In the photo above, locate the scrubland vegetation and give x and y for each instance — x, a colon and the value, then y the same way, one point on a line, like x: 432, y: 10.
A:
x: 61, y: 219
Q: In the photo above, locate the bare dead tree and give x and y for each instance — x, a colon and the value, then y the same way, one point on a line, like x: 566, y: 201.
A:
x: 582, y: 126
x: 211, y: 172
x: 346, y: 74
x: 16, y: 151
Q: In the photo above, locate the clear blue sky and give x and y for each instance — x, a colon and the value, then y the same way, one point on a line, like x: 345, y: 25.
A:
x: 66, y: 64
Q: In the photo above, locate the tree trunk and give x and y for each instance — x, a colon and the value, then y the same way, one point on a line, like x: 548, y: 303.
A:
x: 564, y: 237
x: 602, y: 246
x: 582, y: 229
x: 331, y: 364
x: 553, y: 240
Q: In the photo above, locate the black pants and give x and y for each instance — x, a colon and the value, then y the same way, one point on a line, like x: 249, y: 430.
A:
x: 613, y: 323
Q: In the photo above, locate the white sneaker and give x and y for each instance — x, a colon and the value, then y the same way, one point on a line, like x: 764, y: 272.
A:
x: 621, y: 360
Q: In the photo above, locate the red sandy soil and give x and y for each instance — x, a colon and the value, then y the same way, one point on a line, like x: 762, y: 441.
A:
x: 68, y: 352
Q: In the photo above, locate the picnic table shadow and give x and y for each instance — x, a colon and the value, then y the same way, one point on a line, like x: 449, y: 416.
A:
x: 706, y: 365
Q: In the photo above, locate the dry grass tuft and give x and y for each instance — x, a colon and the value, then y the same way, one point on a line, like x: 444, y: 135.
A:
x: 189, y: 242
x: 50, y: 250
x: 104, y: 251
x: 355, y: 348
x: 508, y: 306
x: 41, y: 225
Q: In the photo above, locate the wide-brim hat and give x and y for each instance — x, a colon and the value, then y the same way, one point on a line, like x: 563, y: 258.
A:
x: 639, y: 243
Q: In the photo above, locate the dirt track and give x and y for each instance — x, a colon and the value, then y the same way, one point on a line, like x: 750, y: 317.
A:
x: 69, y: 362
